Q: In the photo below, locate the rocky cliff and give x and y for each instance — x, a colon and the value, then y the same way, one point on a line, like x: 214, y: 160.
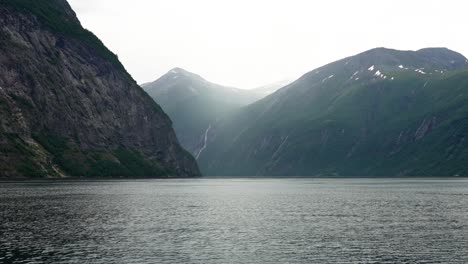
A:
x: 68, y: 107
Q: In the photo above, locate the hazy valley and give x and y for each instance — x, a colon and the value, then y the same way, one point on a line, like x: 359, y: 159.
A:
x: 380, y: 113
x: 134, y: 149
x: 196, y: 105
x: 70, y: 108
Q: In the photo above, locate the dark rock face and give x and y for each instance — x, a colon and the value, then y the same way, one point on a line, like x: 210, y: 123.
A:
x: 68, y: 107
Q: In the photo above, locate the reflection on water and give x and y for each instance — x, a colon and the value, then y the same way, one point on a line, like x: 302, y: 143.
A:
x: 235, y: 221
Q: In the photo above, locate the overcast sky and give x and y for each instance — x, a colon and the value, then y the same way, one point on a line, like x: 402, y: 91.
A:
x: 249, y: 43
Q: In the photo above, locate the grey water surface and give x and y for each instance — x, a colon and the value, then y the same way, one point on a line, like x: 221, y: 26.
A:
x: 235, y: 221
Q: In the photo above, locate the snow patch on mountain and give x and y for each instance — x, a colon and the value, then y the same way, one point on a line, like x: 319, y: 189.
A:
x: 328, y: 78
x: 420, y: 71
x: 378, y: 73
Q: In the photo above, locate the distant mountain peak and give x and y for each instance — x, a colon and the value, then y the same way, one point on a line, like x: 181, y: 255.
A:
x: 384, y: 60
x: 272, y: 87
x: 432, y: 51
x: 441, y: 50
x: 179, y: 72
x: 444, y: 54
x: 437, y: 50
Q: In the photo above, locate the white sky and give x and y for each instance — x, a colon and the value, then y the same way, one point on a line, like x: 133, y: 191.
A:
x: 250, y: 43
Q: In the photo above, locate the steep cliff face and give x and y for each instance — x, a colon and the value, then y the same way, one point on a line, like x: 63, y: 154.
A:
x: 68, y: 107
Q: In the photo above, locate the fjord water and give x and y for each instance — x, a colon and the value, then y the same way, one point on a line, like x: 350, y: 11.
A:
x: 235, y: 221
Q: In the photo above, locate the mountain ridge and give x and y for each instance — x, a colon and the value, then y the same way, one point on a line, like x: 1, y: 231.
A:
x: 329, y: 121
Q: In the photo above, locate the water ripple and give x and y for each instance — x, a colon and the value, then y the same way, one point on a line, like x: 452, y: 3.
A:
x: 235, y: 221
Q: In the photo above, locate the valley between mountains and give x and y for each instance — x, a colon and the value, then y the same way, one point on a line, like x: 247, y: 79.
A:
x: 69, y: 108
x: 383, y: 112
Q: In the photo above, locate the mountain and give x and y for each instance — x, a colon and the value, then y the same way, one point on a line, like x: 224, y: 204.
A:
x: 380, y: 113
x: 196, y: 105
x: 266, y: 90
x: 69, y: 108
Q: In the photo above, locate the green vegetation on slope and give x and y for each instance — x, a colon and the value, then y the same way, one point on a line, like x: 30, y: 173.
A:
x: 119, y: 162
x: 13, y: 145
x: 71, y: 108
x: 53, y: 16
x: 330, y: 124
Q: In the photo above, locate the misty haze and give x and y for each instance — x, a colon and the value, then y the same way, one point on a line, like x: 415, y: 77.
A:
x: 233, y: 131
